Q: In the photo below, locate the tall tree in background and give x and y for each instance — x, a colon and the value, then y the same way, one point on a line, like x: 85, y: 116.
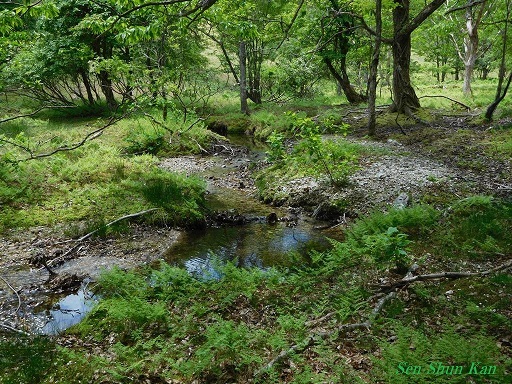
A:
x: 474, y: 13
x: 247, y: 31
x: 374, y: 66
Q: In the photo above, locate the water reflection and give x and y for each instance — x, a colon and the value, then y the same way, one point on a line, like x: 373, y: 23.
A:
x: 68, y: 311
x: 254, y: 245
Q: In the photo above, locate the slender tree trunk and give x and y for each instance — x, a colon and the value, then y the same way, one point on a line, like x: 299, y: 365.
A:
x: 104, y: 78
x: 343, y: 81
x: 254, y: 59
x: 228, y: 61
x: 372, y: 82
x: 243, y: 79
x: 438, y: 77
x: 87, y: 85
x: 471, y: 42
x: 106, y: 88
x: 470, y: 54
x: 500, y: 92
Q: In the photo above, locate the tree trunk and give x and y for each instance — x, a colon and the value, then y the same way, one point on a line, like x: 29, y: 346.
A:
x: 254, y: 57
x: 498, y: 100
x: 106, y: 88
x: 405, y: 99
x: 372, y: 81
x: 87, y: 85
x: 343, y: 81
x: 470, y: 54
x: 471, y: 44
x: 243, y: 80
x: 104, y: 77
x: 500, y: 92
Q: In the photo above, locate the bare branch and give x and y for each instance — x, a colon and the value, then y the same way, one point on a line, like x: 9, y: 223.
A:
x: 469, y: 5
x: 291, y: 24
x: 85, y: 237
x: 201, y: 6
x: 445, y: 275
x: 421, y: 17
x: 15, y: 291
x: 12, y: 329
x: 35, y: 112
x: 449, y: 98
x: 90, y: 136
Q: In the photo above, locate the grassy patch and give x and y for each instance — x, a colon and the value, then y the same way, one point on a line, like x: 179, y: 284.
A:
x: 97, y: 182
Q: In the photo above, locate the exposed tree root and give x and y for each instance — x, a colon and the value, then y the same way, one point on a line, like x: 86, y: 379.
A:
x: 391, y: 290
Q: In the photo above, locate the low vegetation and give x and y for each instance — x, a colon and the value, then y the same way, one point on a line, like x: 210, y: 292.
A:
x: 114, y: 175
x: 164, y: 325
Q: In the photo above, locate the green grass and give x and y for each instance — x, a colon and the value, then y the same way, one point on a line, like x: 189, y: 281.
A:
x: 98, y: 181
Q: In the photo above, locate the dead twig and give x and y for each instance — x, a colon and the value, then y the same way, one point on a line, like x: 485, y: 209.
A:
x: 15, y: 292
x: 86, y: 236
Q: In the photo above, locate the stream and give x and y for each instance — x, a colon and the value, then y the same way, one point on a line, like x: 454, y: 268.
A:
x: 239, y: 231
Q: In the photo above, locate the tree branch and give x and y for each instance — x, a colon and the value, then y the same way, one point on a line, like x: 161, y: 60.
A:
x: 449, y: 98
x: 35, y: 112
x: 86, y: 236
x: 469, y: 5
x: 421, y: 17
x: 291, y: 24
x: 15, y: 291
x: 444, y: 275
x: 202, y: 5
x: 90, y: 136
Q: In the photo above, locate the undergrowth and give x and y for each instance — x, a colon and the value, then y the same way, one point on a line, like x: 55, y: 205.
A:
x: 166, y: 325
x: 98, y: 181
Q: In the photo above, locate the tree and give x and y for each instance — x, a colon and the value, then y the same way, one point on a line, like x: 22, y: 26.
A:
x: 404, y: 96
x: 372, y: 82
x: 474, y: 12
x: 337, y: 31
x: 434, y: 41
x: 250, y: 30
x: 501, y: 91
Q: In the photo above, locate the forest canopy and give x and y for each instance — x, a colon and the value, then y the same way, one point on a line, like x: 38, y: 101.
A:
x: 177, y: 54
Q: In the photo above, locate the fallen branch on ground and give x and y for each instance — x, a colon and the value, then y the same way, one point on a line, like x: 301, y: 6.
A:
x: 468, y: 108
x: 443, y: 275
x: 15, y: 292
x: 85, y: 237
x: 12, y: 329
x: 392, y: 289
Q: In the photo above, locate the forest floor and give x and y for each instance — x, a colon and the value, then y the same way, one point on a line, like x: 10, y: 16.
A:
x: 432, y: 165
x: 128, y: 338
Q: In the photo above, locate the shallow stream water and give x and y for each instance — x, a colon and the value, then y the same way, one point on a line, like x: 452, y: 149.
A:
x: 257, y: 243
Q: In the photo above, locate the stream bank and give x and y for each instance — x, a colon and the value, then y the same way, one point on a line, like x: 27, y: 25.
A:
x: 237, y: 222
x: 239, y: 226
